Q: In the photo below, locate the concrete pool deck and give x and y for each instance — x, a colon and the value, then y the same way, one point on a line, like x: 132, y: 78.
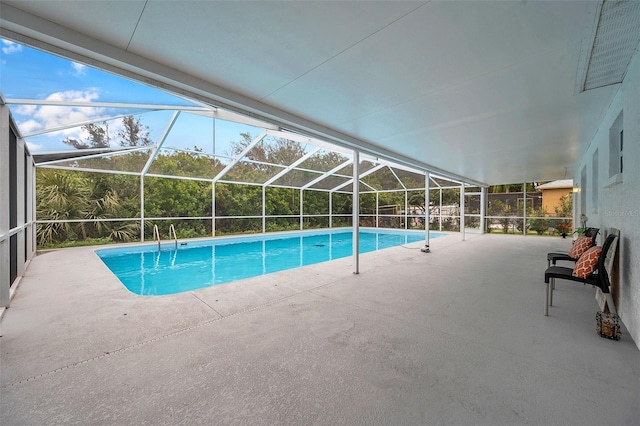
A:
x: 456, y: 336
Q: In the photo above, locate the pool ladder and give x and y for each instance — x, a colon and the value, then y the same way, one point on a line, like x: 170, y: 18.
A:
x: 172, y: 231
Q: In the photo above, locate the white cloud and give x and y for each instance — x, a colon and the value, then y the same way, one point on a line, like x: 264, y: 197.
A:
x: 33, y: 147
x: 42, y: 117
x: 26, y: 109
x: 78, y: 69
x: 53, y: 116
x: 29, y: 126
x: 74, y: 96
x: 9, y: 47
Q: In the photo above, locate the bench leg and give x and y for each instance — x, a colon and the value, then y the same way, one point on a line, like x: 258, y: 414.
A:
x: 546, y: 299
x: 553, y: 286
x: 610, y: 304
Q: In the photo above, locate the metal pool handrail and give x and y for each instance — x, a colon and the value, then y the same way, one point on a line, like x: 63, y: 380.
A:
x: 156, y: 235
x: 175, y: 237
x: 172, y: 232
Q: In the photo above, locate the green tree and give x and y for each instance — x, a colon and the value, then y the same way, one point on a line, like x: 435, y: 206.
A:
x: 98, y: 137
x: 539, y: 222
x: 70, y: 195
x: 133, y: 132
x: 106, y: 202
x: 505, y: 221
x: 564, y: 210
x: 316, y: 202
x: 92, y: 197
x: 513, y: 187
x: 60, y: 196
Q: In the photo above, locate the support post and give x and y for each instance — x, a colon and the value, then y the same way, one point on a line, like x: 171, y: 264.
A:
x: 30, y: 228
x: 21, y: 235
x: 524, y: 208
x: 426, y: 212
x: 377, y: 210
x: 5, y: 277
x: 213, y: 209
x: 330, y: 209
x: 356, y: 212
x: 213, y: 192
x: 462, y: 211
x: 142, y: 208
x: 264, y: 209
x: 34, y: 229
x: 301, y: 218
x: 440, y: 212
x: 406, y: 210
x: 483, y: 209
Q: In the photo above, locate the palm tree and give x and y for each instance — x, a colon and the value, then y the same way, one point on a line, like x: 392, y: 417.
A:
x: 59, y: 196
x: 103, y: 203
x: 69, y: 195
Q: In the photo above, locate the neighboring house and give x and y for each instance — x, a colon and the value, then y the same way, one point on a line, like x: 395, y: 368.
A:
x: 553, y: 191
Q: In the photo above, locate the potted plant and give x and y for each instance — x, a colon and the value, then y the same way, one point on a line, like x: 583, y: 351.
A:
x: 563, y: 228
x: 583, y: 225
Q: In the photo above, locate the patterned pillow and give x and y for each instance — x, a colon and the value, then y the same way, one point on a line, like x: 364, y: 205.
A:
x: 587, y: 262
x: 580, y: 246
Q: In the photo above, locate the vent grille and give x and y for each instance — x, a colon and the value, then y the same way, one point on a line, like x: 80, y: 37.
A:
x: 616, y: 40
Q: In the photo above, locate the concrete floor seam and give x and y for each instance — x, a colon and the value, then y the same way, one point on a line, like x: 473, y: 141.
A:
x: 206, y: 304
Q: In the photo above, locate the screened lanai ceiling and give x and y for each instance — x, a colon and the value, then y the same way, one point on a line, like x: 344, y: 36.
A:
x: 489, y: 92
x: 256, y: 156
x: 71, y: 129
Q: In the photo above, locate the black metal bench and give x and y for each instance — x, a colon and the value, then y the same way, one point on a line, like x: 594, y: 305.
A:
x: 599, y: 278
x: 552, y: 258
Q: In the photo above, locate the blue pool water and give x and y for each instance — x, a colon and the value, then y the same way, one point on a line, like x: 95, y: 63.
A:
x: 145, y: 270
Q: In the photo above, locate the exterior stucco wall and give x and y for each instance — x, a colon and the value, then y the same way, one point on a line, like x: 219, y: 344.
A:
x: 618, y: 204
x: 551, y: 198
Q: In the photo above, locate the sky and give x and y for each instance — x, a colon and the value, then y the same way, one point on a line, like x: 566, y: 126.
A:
x: 28, y: 73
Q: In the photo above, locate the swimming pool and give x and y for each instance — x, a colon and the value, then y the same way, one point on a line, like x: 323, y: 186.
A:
x: 146, y: 271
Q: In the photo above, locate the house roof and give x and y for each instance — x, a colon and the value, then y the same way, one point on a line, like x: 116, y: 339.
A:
x: 557, y: 184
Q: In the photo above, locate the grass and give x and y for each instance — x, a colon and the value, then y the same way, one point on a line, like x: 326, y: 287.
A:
x: 75, y: 243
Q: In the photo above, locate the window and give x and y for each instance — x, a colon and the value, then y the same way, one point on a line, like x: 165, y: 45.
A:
x: 621, y: 146
x: 616, y: 144
x: 583, y: 187
x: 594, y: 182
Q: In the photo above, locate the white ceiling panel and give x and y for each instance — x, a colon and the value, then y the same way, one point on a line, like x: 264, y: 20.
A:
x: 482, y: 90
x: 255, y: 48
x: 434, y: 48
x: 102, y: 20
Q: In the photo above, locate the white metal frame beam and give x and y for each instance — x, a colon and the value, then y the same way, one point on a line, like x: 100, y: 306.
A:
x: 327, y: 174
x: 5, y: 252
x: 350, y: 181
x: 111, y: 153
x: 292, y: 166
x: 150, y: 161
x: 240, y: 156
